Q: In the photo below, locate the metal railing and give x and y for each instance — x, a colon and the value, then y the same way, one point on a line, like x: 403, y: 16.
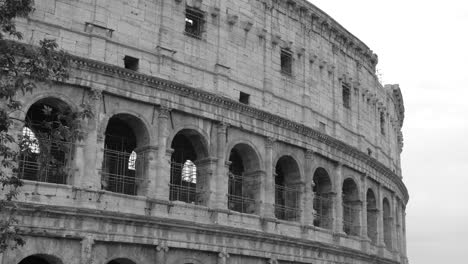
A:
x: 45, y: 160
x: 372, y: 224
x: 119, y: 172
x: 287, y: 203
x: 323, y: 204
x: 183, y: 182
x: 351, y: 219
x: 241, y: 204
x: 237, y: 198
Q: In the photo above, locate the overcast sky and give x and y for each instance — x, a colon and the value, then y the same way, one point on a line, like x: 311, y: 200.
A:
x: 422, y: 45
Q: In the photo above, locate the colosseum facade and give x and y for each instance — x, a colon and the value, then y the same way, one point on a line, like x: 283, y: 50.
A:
x: 228, y: 132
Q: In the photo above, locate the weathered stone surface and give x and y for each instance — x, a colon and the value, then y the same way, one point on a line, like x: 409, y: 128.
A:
x: 191, y: 86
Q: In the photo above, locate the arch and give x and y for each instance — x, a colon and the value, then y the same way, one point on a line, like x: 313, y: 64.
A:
x: 351, y: 207
x: 287, y: 188
x: 196, y: 135
x: 244, y: 178
x: 46, y: 152
x: 372, y: 213
x: 387, y: 221
x: 139, y: 124
x: 121, y: 261
x: 122, y: 168
x: 47, y: 95
x: 323, y: 199
x: 250, y: 153
x: 187, y: 183
x: 41, y: 259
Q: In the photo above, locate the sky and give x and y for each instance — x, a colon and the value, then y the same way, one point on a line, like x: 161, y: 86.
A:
x: 422, y: 46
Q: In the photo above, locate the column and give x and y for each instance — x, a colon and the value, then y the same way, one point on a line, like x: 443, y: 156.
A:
x: 223, y: 257
x: 393, y: 224
x: 206, y: 181
x: 364, y: 207
x: 380, y: 223
x: 88, y: 176
x: 268, y: 183
x: 403, y: 225
x: 307, y: 206
x: 86, y: 250
x: 161, y: 250
x: 338, y: 205
x: 146, y: 169
x: 221, y: 186
x: 163, y: 174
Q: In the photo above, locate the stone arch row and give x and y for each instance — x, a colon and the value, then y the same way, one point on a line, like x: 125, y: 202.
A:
x: 50, y: 259
x: 126, y: 163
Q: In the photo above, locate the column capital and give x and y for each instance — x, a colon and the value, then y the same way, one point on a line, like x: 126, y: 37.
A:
x: 222, y: 127
x: 223, y: 254
x: 273, y: 261
x: 269, y: 142
x: 95, y: 94
x: 164, y: 111
x: 309, y: 154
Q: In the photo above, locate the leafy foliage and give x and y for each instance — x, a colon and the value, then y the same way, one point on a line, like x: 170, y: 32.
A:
x: 21, y: 68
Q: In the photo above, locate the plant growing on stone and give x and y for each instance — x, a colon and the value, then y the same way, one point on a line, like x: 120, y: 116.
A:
x: 21, y: 68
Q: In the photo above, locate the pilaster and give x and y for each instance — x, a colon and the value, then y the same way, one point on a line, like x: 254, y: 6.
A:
x: 307, y: 205
x: 146, y: 167
x: 221, y: 178
x: 161, y: 252
x: 380, y: 220
x: 268, y: 181
x: 93, y: 152
x: 86, y: 249
x: 223, y: 257
x: 338, y: 204
x: 163, y: 162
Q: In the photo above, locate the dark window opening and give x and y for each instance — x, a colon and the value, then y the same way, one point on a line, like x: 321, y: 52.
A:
x: 346, y: 96
x: 194, y: 22
x: 120, y: 160
x: 323, y: 199
x: 286, y: 189
x: 369, y: 152
x: 183, y: 184
x: 286, y: 61
x: 131, y: 63
x: 351, y: 208
x: 45, y: 150
x: 34, y: 260
x: 244, y: 97
x: 243, y: 179
x: 387, y: 221
x: 372, y: 214
x: 382, y: 123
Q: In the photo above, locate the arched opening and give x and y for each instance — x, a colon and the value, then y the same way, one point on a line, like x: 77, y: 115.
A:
x: 40, y: 259
x: 186, y: 177
x: 244, y: 184
x: 323, y: 203
x: 387, y: 221
x: 372, y: 213
x: 287, y: 191
x: 351, y: 208
x: 46, y: 145
x: 121, y: 261
x: 122, y: 166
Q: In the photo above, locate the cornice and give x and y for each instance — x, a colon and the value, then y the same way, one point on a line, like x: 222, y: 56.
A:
x: 50, y: 211
x: 214, y: 99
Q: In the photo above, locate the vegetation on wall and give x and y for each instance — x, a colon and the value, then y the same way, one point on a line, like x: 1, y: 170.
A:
x: 22, y: 67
